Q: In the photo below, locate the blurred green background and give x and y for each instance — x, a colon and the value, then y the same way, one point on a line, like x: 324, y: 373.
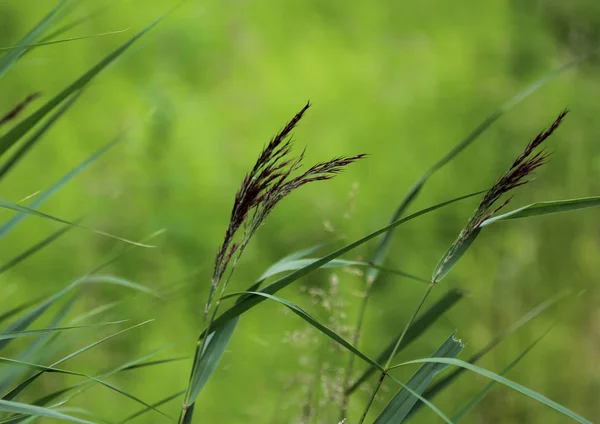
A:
x: 206, y: 89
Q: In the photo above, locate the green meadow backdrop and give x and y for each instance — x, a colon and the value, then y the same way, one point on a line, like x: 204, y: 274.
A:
x: 198, y: 97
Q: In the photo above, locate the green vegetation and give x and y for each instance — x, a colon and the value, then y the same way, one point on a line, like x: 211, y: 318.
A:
x: 124, y: 139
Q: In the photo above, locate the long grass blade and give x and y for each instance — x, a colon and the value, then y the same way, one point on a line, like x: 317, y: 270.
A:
x: 319, y: 326
x: 546, y: 208
x: 398, y: 408
x: 40, y: 348
x: 37, y: 411
x: 207, y: 361
x: 25, y: 210
x: 13, y: 393
x: 296, y: 264
x: 426, y: 320
x: 9, y: 58
x: 29, y: 333
x: 85, y: 385
x: 502, y: 380
x: 479, y: 397
x: 34, y: 249
x: 443, y: 383
x: 26, y: 146
x: 38, y: 367
x: 18, y: 309
x: 65, y: 40
x: 156, y: 405
x: 41, y: 198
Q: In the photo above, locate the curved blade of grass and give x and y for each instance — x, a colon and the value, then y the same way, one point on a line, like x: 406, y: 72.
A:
x: 441, y: 384
x: 29, y: 333
x: 94, y: 312
x: 398, y: 408
x: 11, y: 223
x: 34, y: 249
x: 383, y: 246
x: 39, y: 349
x: 78, y: 374
x: 25, y: 210
x: 85, y: 385
x: 24, y: 148
x: 479, y: 397
x: 13, y: 393
x: 251, y: 301
x: 156, y: 405
x: 11, y: 137
x: 296, y: 264
x: 502, y: 380
x: 208, y: 360
x: 427, y: 318
x: 546, y: 208
x: 26, y: 320
x: 65, y: 40
x: 31, y: 410
x: 157, y: 362
x: 8, y: 59
x: 319, y: 326
x: 110, y: 279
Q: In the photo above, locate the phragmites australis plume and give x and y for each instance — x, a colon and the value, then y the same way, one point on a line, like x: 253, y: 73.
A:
x: 517, y: 175
x: 271, y: 179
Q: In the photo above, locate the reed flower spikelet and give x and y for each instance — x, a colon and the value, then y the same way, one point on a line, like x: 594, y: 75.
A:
x: 271, y: 179
x: 517, y: 175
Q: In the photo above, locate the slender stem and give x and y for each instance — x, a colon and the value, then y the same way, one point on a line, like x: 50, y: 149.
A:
x: 395, y: 350
x: 201, y: 343
x: 350, y: 367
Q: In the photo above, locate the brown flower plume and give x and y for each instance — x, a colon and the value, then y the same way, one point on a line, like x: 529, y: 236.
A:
x: 270, y: 180
x: 523, y: 167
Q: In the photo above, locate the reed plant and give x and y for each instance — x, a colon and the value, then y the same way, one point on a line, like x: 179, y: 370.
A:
x: 275, y: 175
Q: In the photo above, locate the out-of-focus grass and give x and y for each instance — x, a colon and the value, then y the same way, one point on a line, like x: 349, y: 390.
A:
x: 204, y: 91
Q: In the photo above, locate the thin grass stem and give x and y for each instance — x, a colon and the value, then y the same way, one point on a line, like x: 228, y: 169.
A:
x: 395, y: 350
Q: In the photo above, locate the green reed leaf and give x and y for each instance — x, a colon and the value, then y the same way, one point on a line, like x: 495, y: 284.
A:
x: 27, y: 145
x: 25, y: 210
x: 64, y: 40
x: 479, y: 397
x: 34, y: 249
x: 425, y: 320
x: 39, y: 367
x: 28, y: 333
x: 502, y: 380
x: 444, y: 382
x: 398, y: 408
x: 9, y: 58
x: 37, y: 411
x: 546, y: 208
x: 13, y: 393
x: 42, y: 197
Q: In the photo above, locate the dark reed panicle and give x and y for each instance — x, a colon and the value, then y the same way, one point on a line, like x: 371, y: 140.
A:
x: 269, y: 181
x: 524, y: 166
